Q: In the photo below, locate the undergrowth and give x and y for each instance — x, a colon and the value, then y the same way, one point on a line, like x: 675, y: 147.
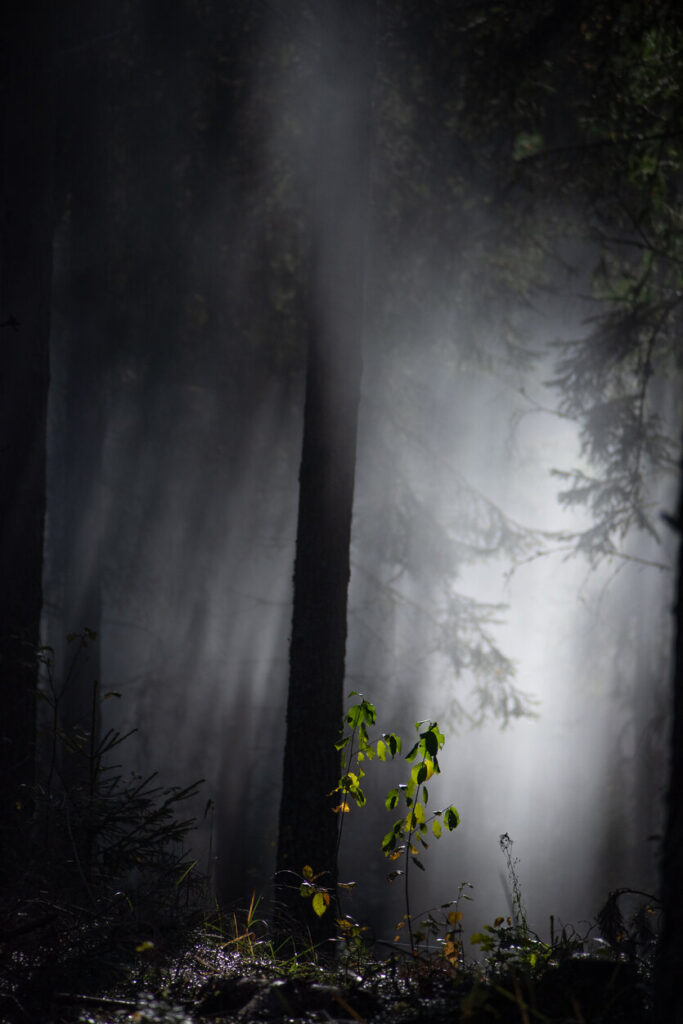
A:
x: 114, y: 927
x: 108, y: 879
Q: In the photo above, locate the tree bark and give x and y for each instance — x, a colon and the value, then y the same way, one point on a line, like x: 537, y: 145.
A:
x: 668, y: 989
x: 86, y: 306
x: 308, y: 828
x: 25, y: 280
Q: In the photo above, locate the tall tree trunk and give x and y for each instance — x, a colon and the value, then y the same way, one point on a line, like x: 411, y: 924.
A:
x: 25, y: 279
x: 86, y: 308
x: 308, y: 828
x: 668, y: 989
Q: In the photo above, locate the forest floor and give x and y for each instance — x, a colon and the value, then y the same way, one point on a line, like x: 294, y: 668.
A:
x: 201, y: 977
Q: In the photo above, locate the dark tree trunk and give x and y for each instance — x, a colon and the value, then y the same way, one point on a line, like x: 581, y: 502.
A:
x: 308, y: 827
x: 668, y: 989
x: 85, y: 324
x: 25, y: 279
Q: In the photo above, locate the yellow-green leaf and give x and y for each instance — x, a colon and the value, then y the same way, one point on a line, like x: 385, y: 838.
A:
x: 320, y: 902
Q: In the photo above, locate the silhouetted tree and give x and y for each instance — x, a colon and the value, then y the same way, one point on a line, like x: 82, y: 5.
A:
x: 339, y: 216
x: 668, y: 1001
x: 80, y: 339
x: 25, y: 277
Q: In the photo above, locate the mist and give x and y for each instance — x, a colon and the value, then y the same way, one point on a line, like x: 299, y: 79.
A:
x: 468, y: 602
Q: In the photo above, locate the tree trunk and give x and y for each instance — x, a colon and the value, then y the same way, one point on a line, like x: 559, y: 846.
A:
x: 25, y: 279
x: 668, y: 989
x: 308, y: 827
x: 86, y: 307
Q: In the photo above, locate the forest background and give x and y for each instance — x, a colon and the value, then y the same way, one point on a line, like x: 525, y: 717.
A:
x: 518, y: 229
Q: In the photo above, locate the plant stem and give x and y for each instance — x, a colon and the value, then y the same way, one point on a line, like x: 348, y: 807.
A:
x: 407, y: 894
x: 342, y: 812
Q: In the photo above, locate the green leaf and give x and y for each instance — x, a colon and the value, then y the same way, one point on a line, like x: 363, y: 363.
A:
x: 369, y: 712
x: 395, y: 743
x: 391, y: 799
x: 419, y: 813
x: 413, y: 752
x: 452, y: 818
x: 431, y: 743
x: 436, y: 828
x: 389, y: 842
x: 354, y: 716
x: 391, y: 839
x: 418, y: 864
x: 381, y: 750
x: 320, y: 903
